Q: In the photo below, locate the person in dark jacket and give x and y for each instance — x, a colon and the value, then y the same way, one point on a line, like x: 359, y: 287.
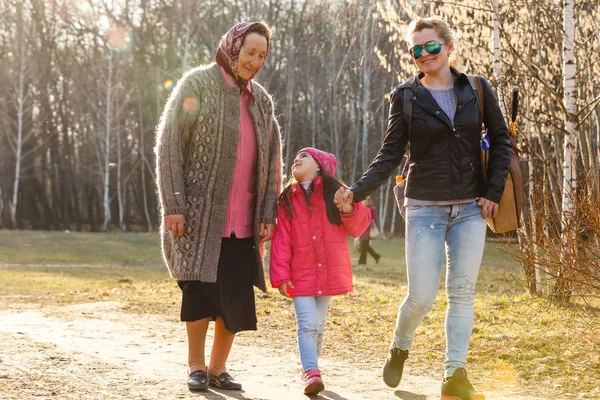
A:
x: 365, y: 238
x: 447, y: 201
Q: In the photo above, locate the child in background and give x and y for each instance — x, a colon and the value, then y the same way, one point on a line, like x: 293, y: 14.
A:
x: 310, y: 260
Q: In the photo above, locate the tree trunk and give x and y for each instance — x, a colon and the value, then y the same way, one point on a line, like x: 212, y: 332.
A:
x: 357, y: 147
x: 120, y: 196
x: 1, y: 205
x: 367, y: 71
x: 92, y: 206
x: 550, y: 171
x: 562, y: 289
x: 315, y: 114
x: 498, y: 56
x: 290, y: 98
x: 143, y: 169
x: 186, y: 43
x: 20, y: 111
x: 333, y: 98
x: 598, y: 138
x: 106, y: 181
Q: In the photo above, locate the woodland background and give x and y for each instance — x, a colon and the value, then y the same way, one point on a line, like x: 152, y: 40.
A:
x: 82, y: 85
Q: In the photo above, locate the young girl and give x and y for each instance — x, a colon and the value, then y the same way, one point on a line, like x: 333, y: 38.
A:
x: 310, y: 261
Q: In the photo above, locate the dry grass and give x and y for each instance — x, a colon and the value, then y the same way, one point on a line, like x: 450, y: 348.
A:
x: 520, y: 344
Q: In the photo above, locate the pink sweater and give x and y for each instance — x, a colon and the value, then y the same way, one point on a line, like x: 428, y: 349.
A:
x: 240, y: 208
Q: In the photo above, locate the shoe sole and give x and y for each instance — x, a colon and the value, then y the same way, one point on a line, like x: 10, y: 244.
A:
x: 215, y: 383
x: 391, y: 384
x: 314, y: 388
x: 474, y: 397
x: 197, y: 389
x: 224, y: 388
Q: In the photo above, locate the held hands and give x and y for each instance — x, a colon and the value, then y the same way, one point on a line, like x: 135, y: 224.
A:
x: 175, y: 223
x: 343, y: 200
x: 266, y: 231
x: 283, y: 288
x: 488, y: 208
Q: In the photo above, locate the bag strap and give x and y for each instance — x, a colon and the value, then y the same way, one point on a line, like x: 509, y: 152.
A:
x: 475, y: 82
x: 407, y: 108
x: 407, y: 111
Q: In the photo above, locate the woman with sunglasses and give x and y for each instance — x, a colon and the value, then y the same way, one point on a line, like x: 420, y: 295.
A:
x: 447, y: 201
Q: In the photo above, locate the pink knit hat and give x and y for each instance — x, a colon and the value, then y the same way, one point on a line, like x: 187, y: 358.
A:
x: 326, y: 160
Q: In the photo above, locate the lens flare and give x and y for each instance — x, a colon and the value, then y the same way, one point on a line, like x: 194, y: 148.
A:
x: 504, y: 380
x: 190, y: 104
x: 84, y: 7
x: 120, y: 39
x: 168, y: 84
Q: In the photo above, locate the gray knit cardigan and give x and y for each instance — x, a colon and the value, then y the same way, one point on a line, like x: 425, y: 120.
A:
x: 196, y: 147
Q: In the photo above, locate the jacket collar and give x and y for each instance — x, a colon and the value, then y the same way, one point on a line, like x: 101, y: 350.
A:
x: 414, y: 82
x: 318, y: 182
x: 462, y: 86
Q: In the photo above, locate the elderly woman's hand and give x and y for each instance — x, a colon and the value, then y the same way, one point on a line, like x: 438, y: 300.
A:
x: 175, y: 223
x: 266, y: 231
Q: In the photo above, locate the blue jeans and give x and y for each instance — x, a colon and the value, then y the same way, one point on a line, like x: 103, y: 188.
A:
x: 458, y: 229
x: 311, y: 312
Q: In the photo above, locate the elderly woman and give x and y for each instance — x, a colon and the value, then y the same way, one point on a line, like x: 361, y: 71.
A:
x: 219, y: 174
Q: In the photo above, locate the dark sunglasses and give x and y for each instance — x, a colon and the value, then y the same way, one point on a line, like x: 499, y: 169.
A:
x: 432, y: 47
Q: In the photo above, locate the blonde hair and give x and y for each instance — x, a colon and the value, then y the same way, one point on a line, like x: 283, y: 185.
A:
x: 438, y: 24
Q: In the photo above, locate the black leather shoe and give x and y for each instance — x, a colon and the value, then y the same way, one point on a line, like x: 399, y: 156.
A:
x: 224, y: 381
x: 198, y: 381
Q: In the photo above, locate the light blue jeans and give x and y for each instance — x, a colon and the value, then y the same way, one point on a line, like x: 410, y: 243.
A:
x: 311, y: 312
x: 460, y: 230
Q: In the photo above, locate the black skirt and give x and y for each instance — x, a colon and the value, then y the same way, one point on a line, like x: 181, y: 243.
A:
x: 231, y: 297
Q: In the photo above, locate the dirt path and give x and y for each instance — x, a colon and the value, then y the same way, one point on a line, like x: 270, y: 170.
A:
x: 97, y: 351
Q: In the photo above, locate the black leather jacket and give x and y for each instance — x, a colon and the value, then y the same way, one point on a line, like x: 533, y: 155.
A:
x: 444, y: 156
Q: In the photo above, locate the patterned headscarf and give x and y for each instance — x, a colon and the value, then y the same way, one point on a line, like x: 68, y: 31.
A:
x: 229, y: 52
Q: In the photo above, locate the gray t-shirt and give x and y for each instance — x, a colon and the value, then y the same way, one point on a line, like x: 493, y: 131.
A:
x: 447, y: 100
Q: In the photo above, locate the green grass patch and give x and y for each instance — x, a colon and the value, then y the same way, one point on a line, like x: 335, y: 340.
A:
x: 76, y: 248
x: 520, y: 344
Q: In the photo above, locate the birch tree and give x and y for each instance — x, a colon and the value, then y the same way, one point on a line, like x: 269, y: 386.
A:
x: 367, y: 71
x: 22, y: 97
x: 120, y: 184
x: 107, y: 140
x: 143, y: 168
x: 290, y: 87
x: 497, y: 56
x: 562, y: 291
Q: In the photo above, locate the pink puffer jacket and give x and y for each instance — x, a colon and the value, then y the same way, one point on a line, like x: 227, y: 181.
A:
x: 310, y: 251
